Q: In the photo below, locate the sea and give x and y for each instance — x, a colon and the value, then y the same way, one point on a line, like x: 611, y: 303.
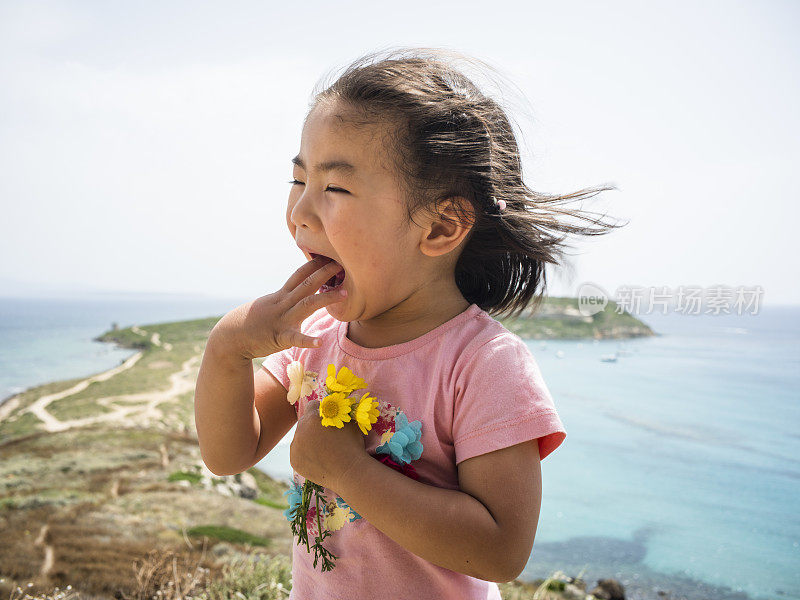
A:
x: 680, y: 472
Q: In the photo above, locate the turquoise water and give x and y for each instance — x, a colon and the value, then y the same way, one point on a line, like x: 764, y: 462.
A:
x: 49, y: 339
x: 681, y: 466
x: 682, y: 458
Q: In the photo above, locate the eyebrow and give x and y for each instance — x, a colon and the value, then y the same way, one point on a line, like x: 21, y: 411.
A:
x: 328, y: 165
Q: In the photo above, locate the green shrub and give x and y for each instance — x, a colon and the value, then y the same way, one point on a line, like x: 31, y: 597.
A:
x: 185, y: 476
x: 267, y: 502
x: 228, y: 534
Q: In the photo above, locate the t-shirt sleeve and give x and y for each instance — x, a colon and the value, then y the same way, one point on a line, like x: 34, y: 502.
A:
x: 502, y: 400
x: 277, y: 363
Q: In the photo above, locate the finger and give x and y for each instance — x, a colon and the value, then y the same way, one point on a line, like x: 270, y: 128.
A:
x: 312, y: 282
x: 304, y: 271
x: 311, y: 304
x: 299, y: 340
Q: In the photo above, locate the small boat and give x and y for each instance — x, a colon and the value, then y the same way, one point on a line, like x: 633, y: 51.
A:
x: 560, y: 354
x: 609, y: 358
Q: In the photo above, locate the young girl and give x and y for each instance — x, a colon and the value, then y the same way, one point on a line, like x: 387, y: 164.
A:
x: 409, y: 207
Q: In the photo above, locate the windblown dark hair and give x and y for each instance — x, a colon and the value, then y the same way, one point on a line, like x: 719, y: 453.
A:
x: 451, y: 139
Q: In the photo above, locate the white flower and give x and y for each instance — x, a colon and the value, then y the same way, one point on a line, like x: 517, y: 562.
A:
x: 387, y: 411
x: 301, y: 382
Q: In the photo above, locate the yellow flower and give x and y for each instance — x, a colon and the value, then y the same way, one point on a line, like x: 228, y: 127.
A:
x: 336, y: 519
x: 345, y: 381
x: 387, y: 435
x: 366, y: 413
x: 335, y: 410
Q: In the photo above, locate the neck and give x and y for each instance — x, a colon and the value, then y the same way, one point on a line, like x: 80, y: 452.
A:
x: 420, y: 312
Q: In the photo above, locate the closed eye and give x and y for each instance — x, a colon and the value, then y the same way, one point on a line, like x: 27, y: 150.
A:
x: 329, y: 188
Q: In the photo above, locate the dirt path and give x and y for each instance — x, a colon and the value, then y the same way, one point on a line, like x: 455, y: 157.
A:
x: 8, y: 407
x: 127, y: 409
x: 39, y: 408
x: 49, y: 552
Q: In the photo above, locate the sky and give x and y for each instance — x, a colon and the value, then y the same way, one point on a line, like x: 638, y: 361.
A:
x: 145, y: 147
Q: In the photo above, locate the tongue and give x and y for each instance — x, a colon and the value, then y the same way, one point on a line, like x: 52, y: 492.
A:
x: 336, y: 279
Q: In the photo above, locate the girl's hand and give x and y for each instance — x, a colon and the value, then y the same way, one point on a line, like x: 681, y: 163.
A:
x: 271, y: 323
x: 324, y: 454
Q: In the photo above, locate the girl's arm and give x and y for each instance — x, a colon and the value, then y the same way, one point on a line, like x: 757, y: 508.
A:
x: 226, y: 419
x: 230, y: 413
x: 485, y: 530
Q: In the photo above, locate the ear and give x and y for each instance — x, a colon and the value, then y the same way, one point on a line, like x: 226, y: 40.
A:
x: 447, y: 229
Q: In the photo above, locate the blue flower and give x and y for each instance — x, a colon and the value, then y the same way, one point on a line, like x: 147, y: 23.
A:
x: 405, y: 445
x: 342, y: 504
x: 294, y: 496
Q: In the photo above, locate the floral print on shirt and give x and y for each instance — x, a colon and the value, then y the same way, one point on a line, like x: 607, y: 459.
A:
x: 400, y: 443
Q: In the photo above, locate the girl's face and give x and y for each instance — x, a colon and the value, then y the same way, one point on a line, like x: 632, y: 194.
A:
x: 346, y: 204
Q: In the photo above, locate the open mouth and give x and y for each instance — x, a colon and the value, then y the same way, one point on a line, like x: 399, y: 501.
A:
x: 334, y: 282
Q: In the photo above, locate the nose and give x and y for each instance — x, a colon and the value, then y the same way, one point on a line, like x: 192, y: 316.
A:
x: 301, y: 213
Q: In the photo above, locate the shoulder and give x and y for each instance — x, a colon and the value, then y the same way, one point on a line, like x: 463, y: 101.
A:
x: 487, y: 333
x: 501, y: 398
x: 498, y: 364
x: 492, y: 350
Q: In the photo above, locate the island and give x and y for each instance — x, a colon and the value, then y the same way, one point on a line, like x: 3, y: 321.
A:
x: 561, y: 318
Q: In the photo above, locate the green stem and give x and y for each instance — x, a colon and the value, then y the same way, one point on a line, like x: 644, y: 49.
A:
x: 306, y: 492
x: 319, y: 525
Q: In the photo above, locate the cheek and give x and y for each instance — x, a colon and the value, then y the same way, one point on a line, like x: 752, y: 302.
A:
x: 377, y: 251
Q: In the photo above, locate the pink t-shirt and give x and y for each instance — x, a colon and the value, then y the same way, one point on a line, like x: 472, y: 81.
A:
x: 468, y: 387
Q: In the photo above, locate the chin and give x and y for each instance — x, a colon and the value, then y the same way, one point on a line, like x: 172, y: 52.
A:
x: 335, y: 311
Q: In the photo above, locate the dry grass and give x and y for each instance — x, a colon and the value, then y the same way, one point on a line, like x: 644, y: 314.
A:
x: 84, y: 506
x: 57, y: 594
x: 169, y: 576
x: 82, y: 550
x: 163, y: 574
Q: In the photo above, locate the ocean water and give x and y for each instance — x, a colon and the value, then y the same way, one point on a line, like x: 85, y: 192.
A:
x: 681, y: 466
x: 681, y: 459
x: 49, y: 339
